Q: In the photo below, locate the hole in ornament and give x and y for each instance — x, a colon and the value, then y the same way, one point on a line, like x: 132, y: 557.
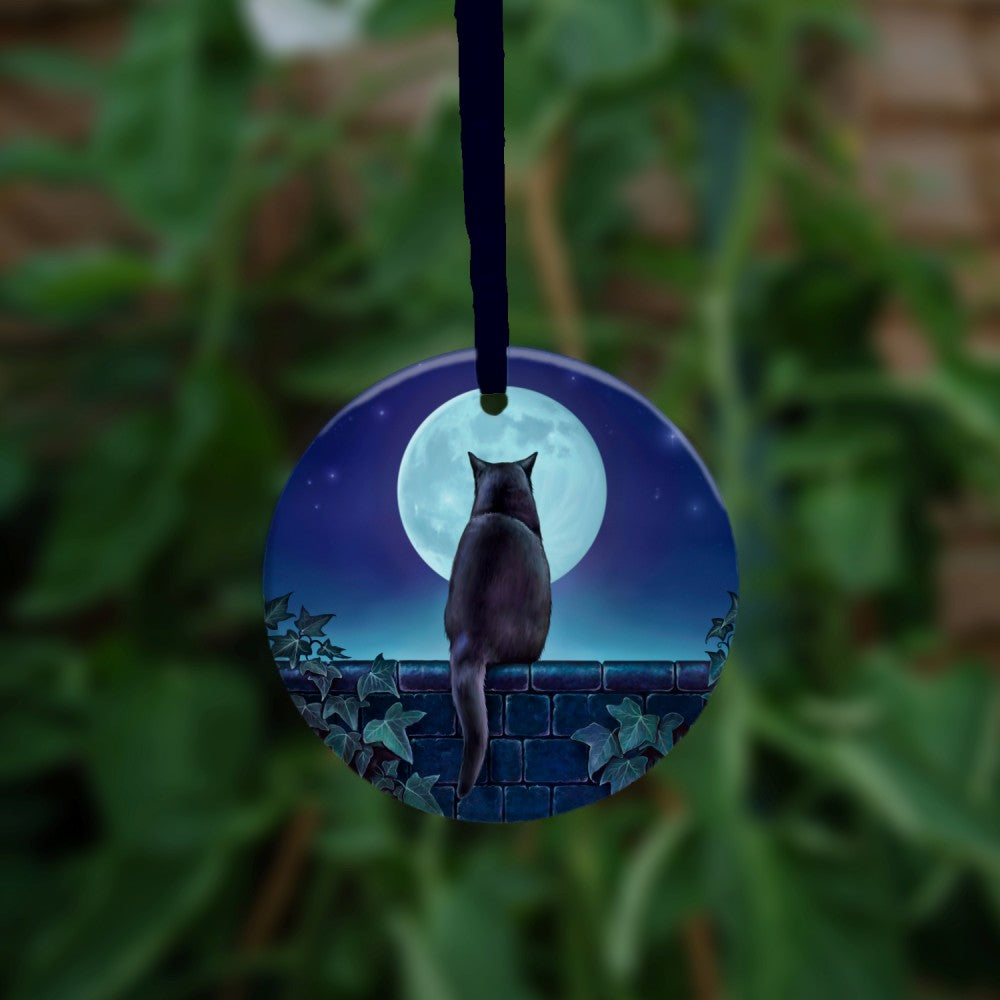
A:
x: 493, y: 403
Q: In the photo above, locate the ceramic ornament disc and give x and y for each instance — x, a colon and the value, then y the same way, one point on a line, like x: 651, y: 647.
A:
x: 500, y: 618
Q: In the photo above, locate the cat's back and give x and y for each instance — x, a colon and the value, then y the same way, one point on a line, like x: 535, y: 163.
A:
x: 500, y: 572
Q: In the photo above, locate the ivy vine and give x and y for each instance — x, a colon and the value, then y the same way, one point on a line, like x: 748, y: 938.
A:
x: 376, y: 752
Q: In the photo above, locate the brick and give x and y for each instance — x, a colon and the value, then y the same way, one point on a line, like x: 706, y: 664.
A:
x: 484, y: 804
x: 687, y: 705
x: 574, y: 711
x: 507, y: 677
x: 442, y: 756
x: 566, y: 797
x: 527, y: 715
x: 296, y: 683
x: 621, y: 675
x: 925, y: 63
x: 524, y: 802
x: 424, y: 675
x: 570, y: 713
x: 494, y: 714
x: 437, y: 755
x: 692, y: 675
x: 351, y: 671
x: 925, y: 181
x: 505, y: 761
x: 445, y: 796
x: 439, y: 720
x: 556, y: 760
x: 572, y: 675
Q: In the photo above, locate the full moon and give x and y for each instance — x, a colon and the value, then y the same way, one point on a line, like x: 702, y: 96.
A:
x: 435, y: 486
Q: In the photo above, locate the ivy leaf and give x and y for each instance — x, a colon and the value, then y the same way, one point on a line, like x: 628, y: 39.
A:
x: 620, y: 773
x: 665, y: 732
x: 716, y: 659
x: 334, y: 652
x: 720, y: 630
x: 417, y: 793
x: 363, y: 759
x: 316, y: 666
x: 344, y: 744
x: 603, y: 745
x: 381, y: 679
x: 323, y: 674
x: 346, y: 708
x: 385, y: 784
x: 391, y: 731
x: 285, y: 646
x: 323, y: 683
x: 636, y: 728
x: 276, y: 611
x: 734, y: 608
x: 311, y: 713
x: 390, y: 767
x: 311, y: 625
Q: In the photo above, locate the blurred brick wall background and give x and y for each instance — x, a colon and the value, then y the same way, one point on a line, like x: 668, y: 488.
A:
x: 922, y: 109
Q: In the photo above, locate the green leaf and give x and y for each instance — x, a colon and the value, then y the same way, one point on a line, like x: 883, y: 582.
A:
x: 286, y: 645
x: 664, y: 741
x: 311, y: 712
x: 603, y: 745
x: 311, y: 625
x: 593, y: 42
x: 716, y: 660
x: 122, y: 501
x: 168, y: 748
x: 41, y: 160
x: 636, y: 728
x: 276, y: 610
x: 390, y: 767
x: 417, y: 793
x: 73, y: 285
x: 385, y: 784
x: 381, y: 679
x: 853, y: 530
x: 15, y: 475
x: 343, y: 743
x: 169, y: 132
x: 391, y: 731
x: 334, y: 652
x: 53, y: 68
x: 620, y: 773
x: 322, y: 677
x: 363, y: 759
x: 105, y: 939
x: 344, y: 706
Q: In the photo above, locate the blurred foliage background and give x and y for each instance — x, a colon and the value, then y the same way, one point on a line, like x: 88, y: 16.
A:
x: 221, y: 223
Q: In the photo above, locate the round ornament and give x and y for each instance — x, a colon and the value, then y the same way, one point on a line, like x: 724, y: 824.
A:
x: 500, y: 616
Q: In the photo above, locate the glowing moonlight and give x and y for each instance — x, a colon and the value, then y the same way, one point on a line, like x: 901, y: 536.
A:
x: 435, y: 485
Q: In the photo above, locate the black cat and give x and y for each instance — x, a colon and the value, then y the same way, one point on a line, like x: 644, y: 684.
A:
x: 499, y: 597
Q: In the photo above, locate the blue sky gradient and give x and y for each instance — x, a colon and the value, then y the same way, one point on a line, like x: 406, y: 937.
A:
x: 657, y: 573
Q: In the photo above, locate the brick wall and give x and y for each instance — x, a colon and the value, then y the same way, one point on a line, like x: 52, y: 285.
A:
x: 533, y: 767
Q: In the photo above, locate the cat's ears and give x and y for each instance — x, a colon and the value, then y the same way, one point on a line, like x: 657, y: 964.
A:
x: 526, y: 463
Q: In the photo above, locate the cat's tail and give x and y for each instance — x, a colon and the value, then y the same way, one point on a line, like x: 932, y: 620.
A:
x: 468, y: 678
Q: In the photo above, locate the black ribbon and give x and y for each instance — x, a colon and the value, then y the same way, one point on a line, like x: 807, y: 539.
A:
x: 480, y: 104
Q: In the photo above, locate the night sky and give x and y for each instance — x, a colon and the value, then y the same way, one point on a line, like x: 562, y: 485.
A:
x: 647, y: 589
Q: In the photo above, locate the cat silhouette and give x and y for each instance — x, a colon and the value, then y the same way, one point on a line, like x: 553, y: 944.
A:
x: 499, y: 596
